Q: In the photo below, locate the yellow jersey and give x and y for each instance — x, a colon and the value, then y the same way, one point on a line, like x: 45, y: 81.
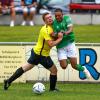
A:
x: 42, y: 47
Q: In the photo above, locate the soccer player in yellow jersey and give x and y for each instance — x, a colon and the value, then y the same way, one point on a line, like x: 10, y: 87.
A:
x: 40, y: 54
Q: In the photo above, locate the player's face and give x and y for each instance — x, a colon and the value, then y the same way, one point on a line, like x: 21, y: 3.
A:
x: 59, y: 16
x: 48, y: 19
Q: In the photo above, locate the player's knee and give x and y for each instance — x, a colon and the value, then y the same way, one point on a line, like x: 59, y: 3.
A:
x: 27, y: 67
x: 74, y: 67
x: 32, y: 9
x: 25, y: 10
x: 64, y: 66
x: 54, y: 71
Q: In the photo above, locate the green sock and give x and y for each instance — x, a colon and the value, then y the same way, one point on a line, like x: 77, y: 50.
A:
x: 79, y: 67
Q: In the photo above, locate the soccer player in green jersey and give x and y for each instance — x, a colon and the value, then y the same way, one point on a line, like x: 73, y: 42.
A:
x: 40, y: 54
x: 66, y: 48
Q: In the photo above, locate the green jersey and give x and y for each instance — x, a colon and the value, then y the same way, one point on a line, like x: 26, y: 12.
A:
x: 63, y: 27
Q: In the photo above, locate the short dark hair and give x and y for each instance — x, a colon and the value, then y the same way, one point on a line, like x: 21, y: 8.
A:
x: 58, y: 10
x: 43, y: 16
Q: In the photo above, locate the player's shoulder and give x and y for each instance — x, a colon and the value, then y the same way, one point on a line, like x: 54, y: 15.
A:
x: 43, y: 29
x: 66, y: 17
x: 46, y: 27
x: 55, y: 22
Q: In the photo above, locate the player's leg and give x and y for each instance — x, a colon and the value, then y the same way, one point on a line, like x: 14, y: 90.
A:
x: 72, y: 54
x: 12, y: 13
x: 53, y: 78
x: 31, y: 16
x: 25, y: 15
x: 48, y: 64
x: 29, y: 65
x: 17, y: 74
x: 62, y: 57
x: 63, y: 63
x: 79, y: 67
x: 73, y: 61
x: 0, y: 8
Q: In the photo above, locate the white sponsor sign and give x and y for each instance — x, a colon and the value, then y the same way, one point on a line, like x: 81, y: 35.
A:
x: 12, y: 57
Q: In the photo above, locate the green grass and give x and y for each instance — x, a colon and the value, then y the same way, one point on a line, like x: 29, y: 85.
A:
x: 68, y: 92
x: 19, y: 33
x: 87, y: 33
x: 83, y: 33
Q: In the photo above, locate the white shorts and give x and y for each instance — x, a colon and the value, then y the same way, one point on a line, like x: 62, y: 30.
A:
x: 26, y: 9
x: 6, y: 11
x: 67, y: 51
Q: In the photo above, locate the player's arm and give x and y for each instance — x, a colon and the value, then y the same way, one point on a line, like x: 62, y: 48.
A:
x: 0, y: 8
x: 0, y: 5
x: 68, y: 20
x: 52, y: 43
x: 70, y: 29
x: 11, y: 5
x: 54, y: 35
x: 34, y: 4
x: 22, y: 3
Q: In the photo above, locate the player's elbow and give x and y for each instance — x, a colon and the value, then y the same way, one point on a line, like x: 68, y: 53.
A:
x: 51, y: 43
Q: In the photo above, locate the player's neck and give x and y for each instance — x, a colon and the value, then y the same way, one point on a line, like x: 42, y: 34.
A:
x: 48, y: 25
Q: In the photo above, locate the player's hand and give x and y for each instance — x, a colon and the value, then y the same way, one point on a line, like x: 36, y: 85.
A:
x: 60, y: 35
x: 54, y: 35
x: 11, y: 7
x: 66, y: 33
x: 30, y: 6
x: 5, y: 7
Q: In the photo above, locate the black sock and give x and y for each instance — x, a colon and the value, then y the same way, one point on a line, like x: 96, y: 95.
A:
x: 17, y: 74
x: 53, y: 80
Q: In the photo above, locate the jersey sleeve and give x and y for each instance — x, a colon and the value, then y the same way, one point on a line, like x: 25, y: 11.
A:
x: 68, y: 21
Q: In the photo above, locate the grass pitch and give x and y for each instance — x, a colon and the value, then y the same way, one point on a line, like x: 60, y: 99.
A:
x: 83, y: 33
x: 67, y: 92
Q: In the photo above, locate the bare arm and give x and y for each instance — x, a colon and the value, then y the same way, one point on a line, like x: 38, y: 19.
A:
x: 0, y: 5
x: 11, y: 5
x: 70, y: 29
x: 33, y: 5
x: 52, y: 43
x: 0, y: 8
x: 22, y: 3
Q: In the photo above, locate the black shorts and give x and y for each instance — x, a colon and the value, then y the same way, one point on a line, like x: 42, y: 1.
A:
x: 38, y: 59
